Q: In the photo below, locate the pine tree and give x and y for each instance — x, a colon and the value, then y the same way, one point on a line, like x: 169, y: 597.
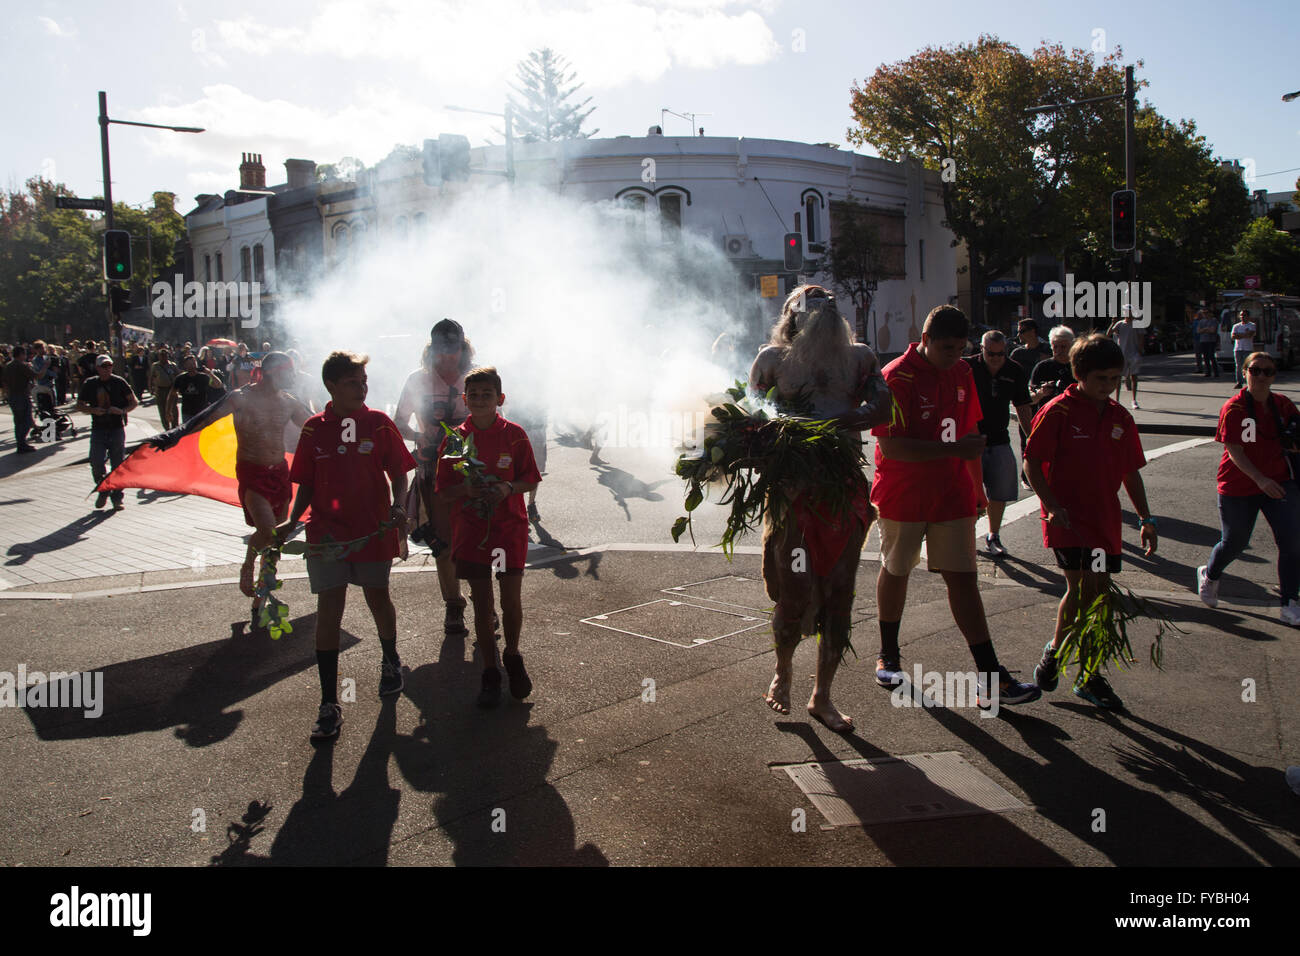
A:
x: 542, y: 114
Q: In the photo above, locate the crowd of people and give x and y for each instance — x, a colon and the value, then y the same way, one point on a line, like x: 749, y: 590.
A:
x: 943, y: 458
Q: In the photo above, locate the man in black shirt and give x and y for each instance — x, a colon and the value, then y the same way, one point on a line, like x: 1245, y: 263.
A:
x: 1052, y: 376
x: 107, y: 398
x: 18, y: 378
x: 1032, y: 349
x: 998, y: 383
x: 191, y: 387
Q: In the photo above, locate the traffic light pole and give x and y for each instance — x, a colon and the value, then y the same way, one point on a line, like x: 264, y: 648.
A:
x: 1130, y: 163
x: 114, y: 323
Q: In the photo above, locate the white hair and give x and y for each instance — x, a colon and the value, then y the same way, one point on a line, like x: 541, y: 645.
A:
x: 1061, y: 332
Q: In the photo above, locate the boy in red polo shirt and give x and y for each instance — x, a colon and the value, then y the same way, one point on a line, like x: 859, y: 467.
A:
x: 927, y: 486
x: 498, y: 542
x: 347, y: 456
x: 1083, y: 446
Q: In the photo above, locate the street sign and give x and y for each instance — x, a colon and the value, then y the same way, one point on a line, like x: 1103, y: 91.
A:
x: 72, y: 202
x: 768, y: 286
x: 1252, y: 282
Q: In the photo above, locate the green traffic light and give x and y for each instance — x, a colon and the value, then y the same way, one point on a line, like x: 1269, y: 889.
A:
x: 120, y: 267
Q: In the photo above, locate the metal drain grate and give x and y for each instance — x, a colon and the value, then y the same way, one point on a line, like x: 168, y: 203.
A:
x: 929, y: 786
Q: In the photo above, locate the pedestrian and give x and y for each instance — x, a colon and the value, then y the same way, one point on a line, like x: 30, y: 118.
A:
x: 19, y: 377
x: 999, y: 384
x: 925, y: 489
x: 1243, y: 343
x: 1207, y: 342
x: 108, y: 398
x: 138, y: 362
x: 1129, y: 337
x: 489, y: 528
x: 1084, y: 446
x: 162, y: 374
x: 191, y: 389
x: 261, y: 412
x: 1260, y: 433
x: 239, y: 371
x: 812, y: 354
x: 434, y: 394
x: 350, y: 467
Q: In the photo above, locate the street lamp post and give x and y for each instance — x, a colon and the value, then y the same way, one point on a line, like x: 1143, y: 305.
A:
x: 114, y: 322
x: 507, y: 114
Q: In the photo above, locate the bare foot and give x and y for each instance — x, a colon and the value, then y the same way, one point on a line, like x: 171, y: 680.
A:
x: 832, y: 719
x: 246, y: 577
x: 778, y: 695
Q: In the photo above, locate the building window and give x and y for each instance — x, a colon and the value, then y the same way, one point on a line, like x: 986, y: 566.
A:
x: 207, y: 268
x: 810, y: 214
x: 259, y: 264
x: 419, y: 220
x: 670, y: 215
x: 400, y: 227
x: 221, y: 274
x: 798, y: 227
x: 245, y: 264
x: 636, y: 217
x: 920, y: 256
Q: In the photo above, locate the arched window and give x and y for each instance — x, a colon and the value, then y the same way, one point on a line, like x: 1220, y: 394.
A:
x: 259, y: 264
x: 245, y: 264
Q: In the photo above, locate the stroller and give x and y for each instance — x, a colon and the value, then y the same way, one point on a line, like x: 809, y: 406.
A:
x: 50, y: 425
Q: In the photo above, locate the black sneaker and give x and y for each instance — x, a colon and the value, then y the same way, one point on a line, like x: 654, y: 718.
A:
x: 489, y: 694
x: 1099, y: 692
x: 101, y: 499
x: 520, y: 685
x: 454, y: 622
x: 1010, y: 690
x: 328, y: 722
x: 1047, y: 673
x: 391, y: 680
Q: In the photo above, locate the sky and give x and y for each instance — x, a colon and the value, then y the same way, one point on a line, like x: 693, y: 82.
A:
x: 324, y: 80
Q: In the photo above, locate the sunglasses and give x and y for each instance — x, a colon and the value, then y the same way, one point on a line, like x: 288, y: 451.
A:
x: 1261, y: 371
x: 995, y: 354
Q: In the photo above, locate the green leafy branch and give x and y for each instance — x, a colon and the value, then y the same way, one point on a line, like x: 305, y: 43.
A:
x: 1098, y: 635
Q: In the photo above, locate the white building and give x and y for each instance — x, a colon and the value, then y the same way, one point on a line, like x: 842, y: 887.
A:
x: 747, y: 194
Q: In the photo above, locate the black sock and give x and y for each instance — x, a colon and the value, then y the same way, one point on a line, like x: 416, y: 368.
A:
x: 889, y: 639
x: 327, y: 664
x: 390, y: 652
x: 986, y: 659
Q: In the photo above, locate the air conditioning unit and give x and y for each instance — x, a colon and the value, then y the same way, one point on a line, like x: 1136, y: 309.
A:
x: 737, y: 247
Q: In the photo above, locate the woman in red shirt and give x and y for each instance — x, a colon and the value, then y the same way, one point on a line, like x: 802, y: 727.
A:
x: 1255, y: 476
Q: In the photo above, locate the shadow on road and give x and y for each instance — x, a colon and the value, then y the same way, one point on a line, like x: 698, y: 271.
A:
x: 189, y: 689
x: 68, y: 535
x: 623, y: 486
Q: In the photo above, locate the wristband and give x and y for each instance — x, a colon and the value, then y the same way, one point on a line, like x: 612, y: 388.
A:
x: 512, y: 486
x: 1151, y: 521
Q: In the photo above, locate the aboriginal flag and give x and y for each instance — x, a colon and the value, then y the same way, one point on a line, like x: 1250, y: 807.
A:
x: 196, y: 459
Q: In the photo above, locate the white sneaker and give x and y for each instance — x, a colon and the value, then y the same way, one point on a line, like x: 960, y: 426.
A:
x: 1291, y: 613
x: 1209, y: 590
x: 1136, y: 406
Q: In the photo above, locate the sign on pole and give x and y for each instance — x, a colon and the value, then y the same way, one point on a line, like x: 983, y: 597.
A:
x: 768, y: 286
x: 72, y: 202
x: 1252, y: 282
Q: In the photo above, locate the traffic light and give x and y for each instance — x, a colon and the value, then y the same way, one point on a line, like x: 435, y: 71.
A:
x: 117, y: 254
x: 1123, y: 220
x: 453, y: 156
x: 119, y: 298
x: 432, y: 168
x: 793, y: 251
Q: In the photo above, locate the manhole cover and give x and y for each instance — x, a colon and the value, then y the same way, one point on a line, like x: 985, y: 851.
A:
x: 678, y: 623
x: 895, y: 789
x: 731, y: 590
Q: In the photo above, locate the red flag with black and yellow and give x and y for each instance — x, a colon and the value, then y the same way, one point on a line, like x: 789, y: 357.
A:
x: 195, y: 459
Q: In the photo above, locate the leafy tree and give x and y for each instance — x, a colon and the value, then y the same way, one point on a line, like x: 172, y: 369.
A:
x: 542, y: 112
x: 853, y: 260
x: 1265, y: 251
x: 346, y: 170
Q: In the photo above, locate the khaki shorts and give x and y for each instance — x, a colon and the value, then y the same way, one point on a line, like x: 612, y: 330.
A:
x: 949, y: 545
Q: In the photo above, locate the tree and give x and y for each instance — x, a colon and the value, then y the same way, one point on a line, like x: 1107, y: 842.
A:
x: 346, y: 170
x: 1267, y: 252
x: 961, y: 110
x: 542, y: 113
x: 853, y: 260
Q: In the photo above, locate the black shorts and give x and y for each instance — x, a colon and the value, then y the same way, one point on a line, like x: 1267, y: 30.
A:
x: 478, y: 571
x: 1079, y: 559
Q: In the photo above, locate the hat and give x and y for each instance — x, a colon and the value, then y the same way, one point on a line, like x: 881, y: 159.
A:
x: 103, y: 360
x: 447, y: 333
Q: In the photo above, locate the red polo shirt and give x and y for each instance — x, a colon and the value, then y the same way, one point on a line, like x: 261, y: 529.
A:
x: 505, y: 451
x: 939, y: 490
x: 1085, y: 454
x: 349, y: 479
x: 1264, y: 452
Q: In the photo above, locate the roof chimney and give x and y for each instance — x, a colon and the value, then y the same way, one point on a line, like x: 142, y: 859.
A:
x: 655, y: 131
x: 301, y: 172
x: 252, y: 174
